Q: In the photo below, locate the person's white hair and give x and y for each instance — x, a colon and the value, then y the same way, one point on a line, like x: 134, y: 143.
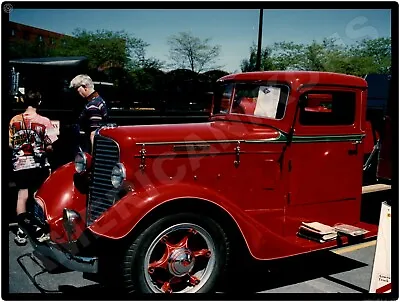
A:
x: 81, y: 80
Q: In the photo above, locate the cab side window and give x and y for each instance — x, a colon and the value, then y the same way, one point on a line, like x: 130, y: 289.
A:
x: 327, y: 108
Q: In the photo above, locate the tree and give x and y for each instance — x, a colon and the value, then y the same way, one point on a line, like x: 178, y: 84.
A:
x: 314, y: 57
x: 103, y: 48
x: 367, y: 56
x: 189, y: 52
x: 378, y: 51
x: 141, y: 61
x: 266, y: 60
x: 28, y: 49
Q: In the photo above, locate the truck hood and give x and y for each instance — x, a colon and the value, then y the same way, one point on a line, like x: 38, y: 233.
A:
x: 128, y: 136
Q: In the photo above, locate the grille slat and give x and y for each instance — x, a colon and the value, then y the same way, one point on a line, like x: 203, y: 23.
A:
x: 101, y: 206
x: 105, y: 156
x: 102, y: 178
x: 104, y: 170
x: 110, y: 147
x: 96, y: 212
x: 106, y: 161
x: 106, y: 197
x: 100, y: 174
x: 102, y: 193
x: 100, y: 182
x: 108, y: 151
x: 97, y: 189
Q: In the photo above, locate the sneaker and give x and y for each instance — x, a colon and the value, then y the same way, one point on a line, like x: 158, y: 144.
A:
x: 21, y: 238
x: 41, y: 236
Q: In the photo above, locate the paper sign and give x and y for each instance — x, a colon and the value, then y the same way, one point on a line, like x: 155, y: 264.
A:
x: 267, y: 101
x: 381, y: 274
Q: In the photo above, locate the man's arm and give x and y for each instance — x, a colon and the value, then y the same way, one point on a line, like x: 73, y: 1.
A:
x: 10, y: 134
x: 104, y: 111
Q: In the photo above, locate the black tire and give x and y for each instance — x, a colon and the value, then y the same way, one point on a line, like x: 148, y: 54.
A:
x: 149, y: 245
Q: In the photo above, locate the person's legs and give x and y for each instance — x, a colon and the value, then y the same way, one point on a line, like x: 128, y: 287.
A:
x: 41, y: 229
x: 22, y: 219
x: 21, y: 201
x: 28, y: 182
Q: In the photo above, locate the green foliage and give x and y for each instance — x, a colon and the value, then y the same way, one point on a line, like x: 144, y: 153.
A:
x: 103, y: 48
x: 148, y: 79
x: 367, y: 56
x: 28, y: 49
x: 266, y: 61
x: 187, y: 51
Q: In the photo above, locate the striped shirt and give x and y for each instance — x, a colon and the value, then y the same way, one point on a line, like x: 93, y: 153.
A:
x: 94, y: 114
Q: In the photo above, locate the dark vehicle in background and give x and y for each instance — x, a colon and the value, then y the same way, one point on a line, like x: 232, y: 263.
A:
x: 377, y: 159
x: 384, y: 167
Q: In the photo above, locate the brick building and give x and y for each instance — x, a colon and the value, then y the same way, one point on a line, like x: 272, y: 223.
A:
x: 19, y: 32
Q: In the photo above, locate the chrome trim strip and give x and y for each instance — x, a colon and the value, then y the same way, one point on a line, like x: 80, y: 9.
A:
x: 281, y: 138
x: 189, y: 142
x: 268, y: 140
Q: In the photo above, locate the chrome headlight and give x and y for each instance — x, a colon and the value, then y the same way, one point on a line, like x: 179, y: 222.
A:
x: 118, y: 175
x: 70, y: 219
x: 80, y: 162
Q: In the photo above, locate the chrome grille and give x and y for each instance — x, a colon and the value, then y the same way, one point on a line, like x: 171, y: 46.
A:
x: 101, y: 192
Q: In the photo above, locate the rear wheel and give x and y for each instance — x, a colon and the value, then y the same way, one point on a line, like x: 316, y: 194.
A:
x: 182, y: 253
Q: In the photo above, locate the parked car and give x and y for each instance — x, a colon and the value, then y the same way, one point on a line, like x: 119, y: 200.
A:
x: 384, y: 166
x: 168, y: 205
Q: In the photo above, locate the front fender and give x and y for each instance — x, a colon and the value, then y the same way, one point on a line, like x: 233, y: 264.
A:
x: 58, y: 192
x: 120, y: 219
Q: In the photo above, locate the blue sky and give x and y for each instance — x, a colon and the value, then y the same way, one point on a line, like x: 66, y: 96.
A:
x: 234, y: 29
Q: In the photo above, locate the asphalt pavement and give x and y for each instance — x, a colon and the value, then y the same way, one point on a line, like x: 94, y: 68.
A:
x: 321, y: 272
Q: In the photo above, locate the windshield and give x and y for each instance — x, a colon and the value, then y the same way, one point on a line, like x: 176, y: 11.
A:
x: 255, y: 99
x: 222, y: 97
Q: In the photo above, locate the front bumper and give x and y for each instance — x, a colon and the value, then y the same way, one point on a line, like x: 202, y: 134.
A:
x: 52, y: 251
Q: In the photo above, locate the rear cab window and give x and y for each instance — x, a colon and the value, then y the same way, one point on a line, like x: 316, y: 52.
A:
x: 328, y: 108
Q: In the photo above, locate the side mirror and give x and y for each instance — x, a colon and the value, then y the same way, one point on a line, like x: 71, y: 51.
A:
x: 318, y: 103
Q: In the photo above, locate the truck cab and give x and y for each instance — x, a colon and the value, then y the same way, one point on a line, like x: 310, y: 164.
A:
x: 170, y: 204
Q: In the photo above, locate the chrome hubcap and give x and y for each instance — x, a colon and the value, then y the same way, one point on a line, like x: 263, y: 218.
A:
x: 180, y: 262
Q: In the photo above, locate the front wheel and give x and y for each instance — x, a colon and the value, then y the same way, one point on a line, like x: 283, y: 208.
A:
x: 182, y: 253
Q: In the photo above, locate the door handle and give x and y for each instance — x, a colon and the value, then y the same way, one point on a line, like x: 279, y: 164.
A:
x: 355, y: 150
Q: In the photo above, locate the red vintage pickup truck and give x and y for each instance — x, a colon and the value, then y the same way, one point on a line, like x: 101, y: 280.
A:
x: 169, y: 204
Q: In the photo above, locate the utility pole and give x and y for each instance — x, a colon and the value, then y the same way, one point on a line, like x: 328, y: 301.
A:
x: 258, y: 60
